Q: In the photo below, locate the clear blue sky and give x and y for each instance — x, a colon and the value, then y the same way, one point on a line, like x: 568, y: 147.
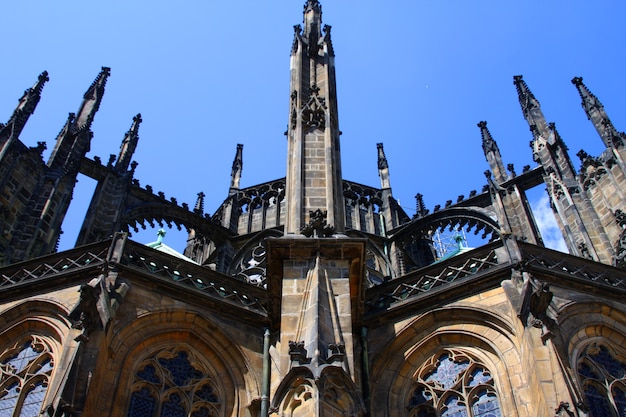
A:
x: 415, y: 75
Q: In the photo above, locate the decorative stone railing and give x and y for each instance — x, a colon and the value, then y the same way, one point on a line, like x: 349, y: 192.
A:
x: 431, y: 280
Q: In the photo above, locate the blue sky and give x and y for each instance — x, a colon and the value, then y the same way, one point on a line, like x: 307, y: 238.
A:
x: 415, y: 75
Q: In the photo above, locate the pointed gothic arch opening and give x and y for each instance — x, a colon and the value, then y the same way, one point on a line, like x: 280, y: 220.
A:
x: 448, y: 362
x: 174, y: 361
x: 454, y: 383
x: 175, y: 381
x: 30, y: 348
x: 601, y: 371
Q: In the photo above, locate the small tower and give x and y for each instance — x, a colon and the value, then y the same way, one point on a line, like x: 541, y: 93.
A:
x: 314, y: 180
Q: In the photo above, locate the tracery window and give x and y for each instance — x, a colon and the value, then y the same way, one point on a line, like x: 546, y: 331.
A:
x: 454, y: 384
x: 603, y: 379
x: 25, y: 371
x: 174, y: 383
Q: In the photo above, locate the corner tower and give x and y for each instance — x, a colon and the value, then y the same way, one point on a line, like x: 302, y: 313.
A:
x: 314, y: 180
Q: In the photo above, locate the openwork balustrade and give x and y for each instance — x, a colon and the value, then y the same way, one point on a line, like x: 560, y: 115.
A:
x: 86, y: 257
x: 427, y: 280
x: 571, y: 267
x: 210, y: 283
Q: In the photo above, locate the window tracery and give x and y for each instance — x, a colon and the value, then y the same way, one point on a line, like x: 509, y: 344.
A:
x: 454, y: 384
x: 174, y: 383
x: 603, y: 379
x: 25, y: 371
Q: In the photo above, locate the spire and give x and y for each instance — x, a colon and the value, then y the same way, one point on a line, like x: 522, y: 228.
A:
x: 129, y: 144
x: 235, y: 174
x: 26, y: 107
x: 75, y: 138
x: 199, y: 207
x: 492, y: 153
x: 531, y: 108
x: 92, y: 99
x: 383, y: 167
x: 595, y: 112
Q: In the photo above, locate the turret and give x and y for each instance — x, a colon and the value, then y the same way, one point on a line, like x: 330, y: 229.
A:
x: 492, y: 153
x: 314, y: 180
x: 129, y: 144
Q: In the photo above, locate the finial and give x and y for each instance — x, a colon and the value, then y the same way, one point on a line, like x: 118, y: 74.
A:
x: 526, y: 98
x: 488, y: 142
x: 382, y: 159
x: 199, y: 207
x: 237, y: 168
x: 420, y: 207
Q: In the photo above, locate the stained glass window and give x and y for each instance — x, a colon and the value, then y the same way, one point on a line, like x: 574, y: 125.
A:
x: 454, y: 384
x: 26, y: 369
x: 603, y: 378
x: 173, y: 383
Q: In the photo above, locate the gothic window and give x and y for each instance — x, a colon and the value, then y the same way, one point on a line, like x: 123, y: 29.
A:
x: 174, y: 383
x: 25, y: 370
x: 454, y: 384
x: 603, y: 379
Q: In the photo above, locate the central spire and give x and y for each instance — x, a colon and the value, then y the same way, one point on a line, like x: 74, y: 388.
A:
x: 314, y: 180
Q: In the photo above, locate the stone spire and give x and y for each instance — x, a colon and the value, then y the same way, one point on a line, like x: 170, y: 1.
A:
x: 75, y: 138
x: 314, y: 180
x: 235, y: 175
x: 595, y: 112
x: 23, y: 111
x: 531, y: 108
x: 492, y: 153
x: 129, y: 144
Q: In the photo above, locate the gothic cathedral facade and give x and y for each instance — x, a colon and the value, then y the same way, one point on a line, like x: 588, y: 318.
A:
x: 311, y: 295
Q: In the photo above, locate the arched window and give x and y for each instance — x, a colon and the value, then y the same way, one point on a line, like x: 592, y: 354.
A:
x: 25, y: 369
x: 174, y: 383
x: 603, y: 379
x: 454, y: 384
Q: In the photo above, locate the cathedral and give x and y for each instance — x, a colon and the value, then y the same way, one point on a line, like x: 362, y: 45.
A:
x: 311, y: 294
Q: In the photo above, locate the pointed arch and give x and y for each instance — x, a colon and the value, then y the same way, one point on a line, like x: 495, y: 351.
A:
x: 32, y: 337
x: 596, y: 332
x: 476, y: 339
x: 174, y: 345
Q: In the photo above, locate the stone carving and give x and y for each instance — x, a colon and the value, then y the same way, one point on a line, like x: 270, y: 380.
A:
x: 317, y: 227
x: 314, y: 110
x: 537, y: 299
x: 99, y: 300
x: 297, y: 352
